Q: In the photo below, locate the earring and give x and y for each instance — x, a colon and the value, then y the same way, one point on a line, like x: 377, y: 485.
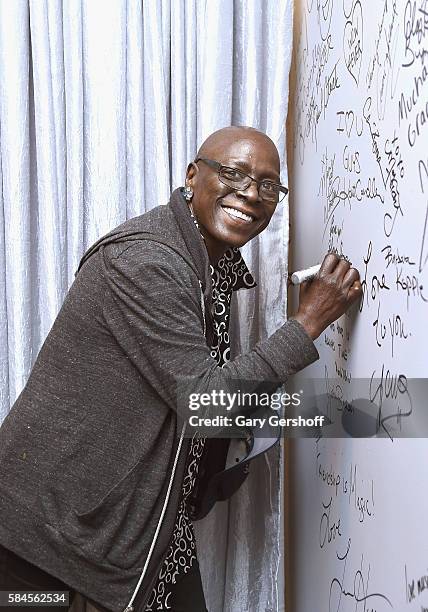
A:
x: 188, y: 193
x: 192, y: 213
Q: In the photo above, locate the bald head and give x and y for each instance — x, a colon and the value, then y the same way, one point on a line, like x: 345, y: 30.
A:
x: 222, y: 139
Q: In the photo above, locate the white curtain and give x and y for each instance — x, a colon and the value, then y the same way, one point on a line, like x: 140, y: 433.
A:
x: 102, y: 105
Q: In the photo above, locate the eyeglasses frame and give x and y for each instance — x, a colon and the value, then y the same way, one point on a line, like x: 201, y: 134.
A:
x: 218, y: 166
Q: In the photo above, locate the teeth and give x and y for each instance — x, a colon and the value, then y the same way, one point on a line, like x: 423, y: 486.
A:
x: 237, y: 213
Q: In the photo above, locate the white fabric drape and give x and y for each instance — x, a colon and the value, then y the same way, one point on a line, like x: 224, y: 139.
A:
x: 102, y: 105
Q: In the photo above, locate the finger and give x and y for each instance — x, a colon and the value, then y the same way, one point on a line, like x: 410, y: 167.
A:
x: 304, y: 287
x: 355, y: 291
x: 329, y: 263
x: 341, y: 269
x: 351, y: 276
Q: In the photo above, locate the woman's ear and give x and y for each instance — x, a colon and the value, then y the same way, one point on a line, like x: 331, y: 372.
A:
x: 191, y: 172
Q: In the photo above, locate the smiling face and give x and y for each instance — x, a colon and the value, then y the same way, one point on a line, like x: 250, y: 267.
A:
x: 227, y: 217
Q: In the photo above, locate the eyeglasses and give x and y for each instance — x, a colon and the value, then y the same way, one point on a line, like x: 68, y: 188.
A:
x: 236, y: 179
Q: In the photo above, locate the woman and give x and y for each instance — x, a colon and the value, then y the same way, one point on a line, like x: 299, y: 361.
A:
x: 95, y: 479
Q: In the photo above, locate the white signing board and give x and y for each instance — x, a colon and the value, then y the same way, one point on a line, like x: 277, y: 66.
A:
x: 360, y: 181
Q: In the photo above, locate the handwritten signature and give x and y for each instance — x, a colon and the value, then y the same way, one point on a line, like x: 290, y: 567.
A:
x: 359, y: 589
x: 415, y: 30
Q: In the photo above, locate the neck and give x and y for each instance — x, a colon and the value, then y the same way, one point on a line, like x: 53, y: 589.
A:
x: 215, y: 249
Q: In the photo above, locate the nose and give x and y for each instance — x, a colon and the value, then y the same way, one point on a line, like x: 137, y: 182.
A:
x: 251, y: 193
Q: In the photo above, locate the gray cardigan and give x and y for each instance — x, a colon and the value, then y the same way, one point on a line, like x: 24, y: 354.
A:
x: 91, y: 459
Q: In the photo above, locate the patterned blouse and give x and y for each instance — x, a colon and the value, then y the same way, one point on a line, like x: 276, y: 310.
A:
x: 229, y: 274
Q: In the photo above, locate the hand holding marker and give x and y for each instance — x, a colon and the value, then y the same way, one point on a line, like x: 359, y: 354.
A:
x: 334, y: 286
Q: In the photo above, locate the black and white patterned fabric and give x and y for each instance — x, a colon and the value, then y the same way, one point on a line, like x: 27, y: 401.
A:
x: 228, y: 275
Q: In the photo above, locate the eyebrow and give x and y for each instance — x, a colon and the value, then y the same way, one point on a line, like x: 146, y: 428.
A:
x: 245, y: 167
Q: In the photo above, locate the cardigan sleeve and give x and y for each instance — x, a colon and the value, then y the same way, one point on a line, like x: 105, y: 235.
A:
x: 152, y: 307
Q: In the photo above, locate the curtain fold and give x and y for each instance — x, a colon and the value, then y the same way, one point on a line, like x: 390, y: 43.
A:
x: 18, y: 241
x: 102, y: 106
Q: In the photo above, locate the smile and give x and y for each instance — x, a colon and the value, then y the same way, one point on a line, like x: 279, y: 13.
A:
x: 237, y: 214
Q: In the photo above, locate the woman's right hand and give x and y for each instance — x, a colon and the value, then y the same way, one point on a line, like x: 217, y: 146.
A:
x: 328, y: 295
